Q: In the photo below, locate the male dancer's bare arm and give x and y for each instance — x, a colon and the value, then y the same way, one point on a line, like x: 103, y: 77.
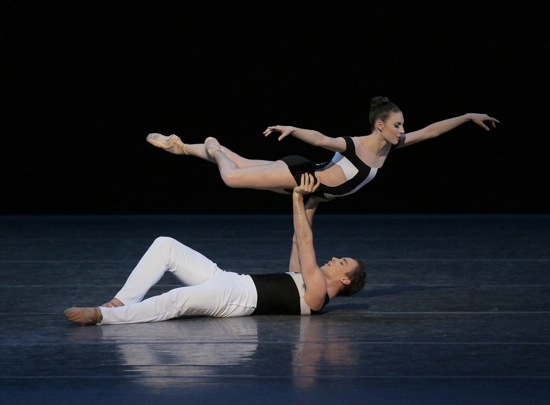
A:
x: 310, y: 208
x: 314, y: 279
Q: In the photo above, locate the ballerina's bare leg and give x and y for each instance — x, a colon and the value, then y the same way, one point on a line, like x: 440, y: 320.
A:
x: 173, y: 144
x: 235, y: 170
x: 270, y: 175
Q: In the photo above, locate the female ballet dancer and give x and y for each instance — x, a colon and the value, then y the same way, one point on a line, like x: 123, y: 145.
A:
x: 354, y: 164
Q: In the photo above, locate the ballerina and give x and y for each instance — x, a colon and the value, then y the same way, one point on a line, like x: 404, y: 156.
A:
x: 355, y: 162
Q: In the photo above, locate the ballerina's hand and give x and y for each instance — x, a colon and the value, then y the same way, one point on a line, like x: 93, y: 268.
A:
x: 285, y: 130
x: 480, y: 120
x: 308, y: 184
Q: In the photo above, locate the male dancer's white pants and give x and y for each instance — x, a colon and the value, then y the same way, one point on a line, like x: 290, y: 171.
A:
x: 208, y: 290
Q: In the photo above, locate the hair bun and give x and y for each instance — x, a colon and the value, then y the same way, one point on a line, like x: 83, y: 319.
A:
x: 378, y: 100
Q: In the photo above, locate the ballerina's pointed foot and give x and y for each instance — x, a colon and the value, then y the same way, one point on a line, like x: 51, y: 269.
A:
x: 172, y: 143
x: 84, y: 316
x: 212, y: 146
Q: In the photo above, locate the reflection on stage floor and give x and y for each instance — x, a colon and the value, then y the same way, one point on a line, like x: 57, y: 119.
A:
x: 456, y: 310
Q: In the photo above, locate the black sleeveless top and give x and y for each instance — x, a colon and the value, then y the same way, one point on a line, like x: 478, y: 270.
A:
x: 278, y: 294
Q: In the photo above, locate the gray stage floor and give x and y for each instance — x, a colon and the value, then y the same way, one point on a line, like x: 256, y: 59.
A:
x: 456, y: 311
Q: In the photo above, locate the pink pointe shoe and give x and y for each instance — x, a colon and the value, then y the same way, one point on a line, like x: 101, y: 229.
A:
x: 212, y: 146
x: 172, y: 143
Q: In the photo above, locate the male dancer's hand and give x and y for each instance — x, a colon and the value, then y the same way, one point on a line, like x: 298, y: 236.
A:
x: 308, y: 184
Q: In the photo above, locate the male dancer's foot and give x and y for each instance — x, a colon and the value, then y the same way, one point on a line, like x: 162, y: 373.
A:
x: 115, y: 302
x: 84, y: 316
x: 172, y: 143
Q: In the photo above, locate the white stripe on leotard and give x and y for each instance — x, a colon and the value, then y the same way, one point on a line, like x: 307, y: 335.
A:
x: 350, y: 171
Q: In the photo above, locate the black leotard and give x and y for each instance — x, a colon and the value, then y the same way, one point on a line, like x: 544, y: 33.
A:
x: 356, y: 171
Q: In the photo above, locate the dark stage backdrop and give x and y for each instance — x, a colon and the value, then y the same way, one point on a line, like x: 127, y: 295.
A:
x: 83, y: 83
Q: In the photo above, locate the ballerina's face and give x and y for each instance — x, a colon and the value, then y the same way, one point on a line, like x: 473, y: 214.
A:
x: 392, y: 128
